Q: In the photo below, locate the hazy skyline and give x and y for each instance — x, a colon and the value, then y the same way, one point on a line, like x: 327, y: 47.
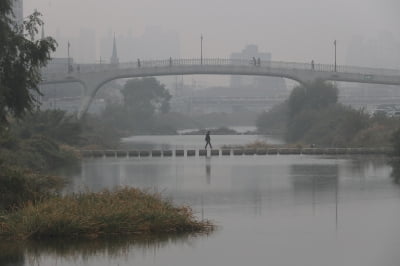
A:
x: 292, y: 30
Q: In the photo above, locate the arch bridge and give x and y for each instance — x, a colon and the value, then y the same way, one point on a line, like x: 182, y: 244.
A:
x: 92, y: 77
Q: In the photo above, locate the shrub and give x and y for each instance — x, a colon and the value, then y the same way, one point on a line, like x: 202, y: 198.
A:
x: 18, y: 186
x: 126, y: 211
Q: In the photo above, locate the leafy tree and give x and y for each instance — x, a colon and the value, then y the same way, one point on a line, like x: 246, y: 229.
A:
x: 396, y: 142
x: 143, y: 100
x: 146, y: 96
x: 54, y: 124
x: 316, y: 95
x: 274, y: 121
x: 21, y: 58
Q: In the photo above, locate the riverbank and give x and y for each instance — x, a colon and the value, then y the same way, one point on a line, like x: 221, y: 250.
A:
x: 126, y: 211
x: 312, y: 116
x: 31, y: 205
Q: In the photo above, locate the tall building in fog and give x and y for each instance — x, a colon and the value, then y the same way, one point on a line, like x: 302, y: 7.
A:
x: 114, y: 57
x: 82, y: 47
x: 18, y: 10
x: 85, y: 47
x: 154, y: 43
x: 250, y: 53
x: 382, y: 51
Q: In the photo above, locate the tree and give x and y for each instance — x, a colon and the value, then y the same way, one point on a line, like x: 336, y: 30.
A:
x: 147, y: 96
x: 143, y: 99
x: 316, y: 95
x: 21, y: 58
x: 274, y: 121
x: 396, y: 142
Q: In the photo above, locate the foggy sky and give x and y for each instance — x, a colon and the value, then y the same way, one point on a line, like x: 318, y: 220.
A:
x: 292, y: 30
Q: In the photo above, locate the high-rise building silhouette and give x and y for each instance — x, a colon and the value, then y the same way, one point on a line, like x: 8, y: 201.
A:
x: 18, y: 10
x: 114, y: 57
x: 255, y: 57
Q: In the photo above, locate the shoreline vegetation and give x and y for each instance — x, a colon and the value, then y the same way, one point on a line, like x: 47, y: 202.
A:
x: 122, y: 212
x: 31, y: 204
x: 312, y: 116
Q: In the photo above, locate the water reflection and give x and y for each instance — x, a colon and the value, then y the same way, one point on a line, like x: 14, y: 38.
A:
x: 49, y: 252
x: 395, y: 174
x: 320, y: 181
x: 208, y: 170
x: 11, y: 254
x: 325, y: 210
x: 361, y: 165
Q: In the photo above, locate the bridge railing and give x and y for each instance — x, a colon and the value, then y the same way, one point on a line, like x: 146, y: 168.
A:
x: 253, y: 62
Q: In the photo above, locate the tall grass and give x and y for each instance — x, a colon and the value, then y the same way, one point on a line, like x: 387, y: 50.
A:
x: 126, y: 211
x: 18, y: 186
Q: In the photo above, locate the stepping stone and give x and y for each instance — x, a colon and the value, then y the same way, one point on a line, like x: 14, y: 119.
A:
x: 144, y: 153
x: 167, y: 153
x: 226, y: 152
x: 214, y: 152
x: 133, y: 153
x: 179, y: 153
x: 202, y: 152
x: 156, y: 153
x: 191, y: 153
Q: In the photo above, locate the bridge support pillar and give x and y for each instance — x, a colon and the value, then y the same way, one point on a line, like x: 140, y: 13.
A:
x: 90, y: 87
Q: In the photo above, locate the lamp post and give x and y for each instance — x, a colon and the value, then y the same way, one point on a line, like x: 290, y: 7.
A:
x: 201, y: 49
x: 334, y: 43
x: 69, y: 62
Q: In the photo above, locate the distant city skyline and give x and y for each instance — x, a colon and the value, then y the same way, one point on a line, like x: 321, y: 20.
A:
x: 292, y: 30
x: 86, y: 47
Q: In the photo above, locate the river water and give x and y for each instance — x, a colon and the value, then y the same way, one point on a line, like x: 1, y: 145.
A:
x: 270, y: 210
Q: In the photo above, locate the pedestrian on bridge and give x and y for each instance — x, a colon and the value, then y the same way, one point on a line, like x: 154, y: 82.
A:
x: 208, y: 140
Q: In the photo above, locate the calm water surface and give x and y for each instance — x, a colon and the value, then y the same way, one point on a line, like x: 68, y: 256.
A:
x: 270, y: 210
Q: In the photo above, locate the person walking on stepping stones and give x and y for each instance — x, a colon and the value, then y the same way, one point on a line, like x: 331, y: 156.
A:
x: 208, y: 140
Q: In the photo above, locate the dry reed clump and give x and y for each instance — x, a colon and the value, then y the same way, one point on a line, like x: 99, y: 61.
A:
x: 121, y: 212
x: 259, y: 145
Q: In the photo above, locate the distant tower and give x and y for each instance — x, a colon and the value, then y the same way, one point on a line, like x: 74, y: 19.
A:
x: 43, y: 35
x: 18, y: 7
x: 114, y: 58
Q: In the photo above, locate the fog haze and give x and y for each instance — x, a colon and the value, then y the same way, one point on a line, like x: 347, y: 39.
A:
x: 292, y: 30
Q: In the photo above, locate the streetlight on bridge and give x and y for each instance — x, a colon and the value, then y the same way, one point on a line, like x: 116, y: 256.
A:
x: 334, y: 43
x: 201, y: 49
x: 69, y: 60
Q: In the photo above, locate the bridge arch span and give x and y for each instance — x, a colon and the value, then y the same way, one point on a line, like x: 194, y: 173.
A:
x: 88, y: 97
x: 93, y: 77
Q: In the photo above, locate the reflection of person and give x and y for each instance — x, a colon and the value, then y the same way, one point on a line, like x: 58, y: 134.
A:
x: 208, y: 140
x: 208, y: 170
